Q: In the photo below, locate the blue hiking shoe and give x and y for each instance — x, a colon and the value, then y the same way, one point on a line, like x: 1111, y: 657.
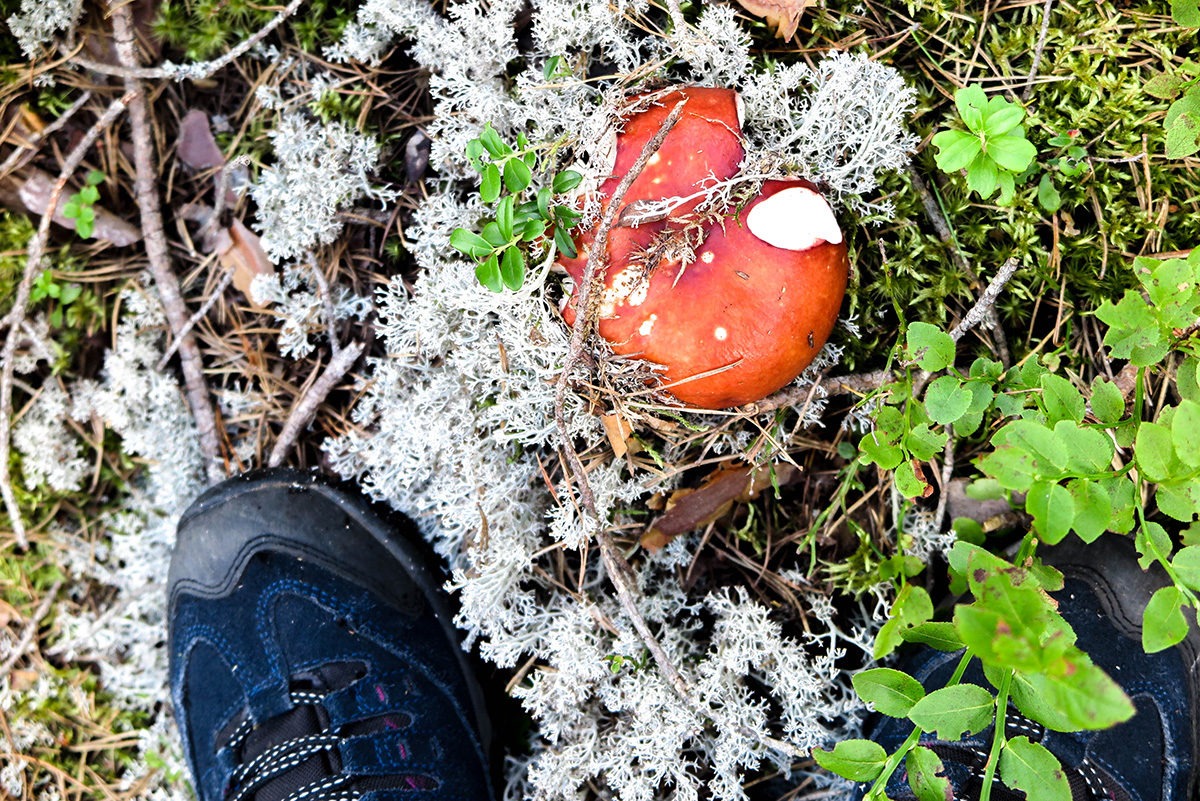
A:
x: 312, y: 654
x: 1151, y: 757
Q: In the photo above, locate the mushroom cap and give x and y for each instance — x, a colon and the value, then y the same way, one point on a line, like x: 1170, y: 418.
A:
x: 763, y: 293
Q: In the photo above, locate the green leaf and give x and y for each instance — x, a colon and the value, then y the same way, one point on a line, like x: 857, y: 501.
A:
x: 1188, y: 104
x: 972, y: 103
x: 908, y: 483
x: 1013, y: 151
x: 1164, y: 86
x: 88, y: 195
x: 512, y: 268
x: 929, y: 346
x: 924, y: 443
x: 1186, y: 13
x: 1179, y: 501
x: 1107, y: 403
x: 876, y: 450
x: 1011, y: 467
x: 946, y: 400
x: 1008, y: 188
x: 493, y: 143
x: 94, y: 178
x: 543, y: 203
x: 475, y: 154
x: 1186, y: 563
x: 1048, y: 450
x: 504, y: 217
x: 1093, y: 509
x: 566, y: 180
x: 470, y: 243
x: 491, y: 233
x: 489, y: 184
x: 1003, y: 119
x: 937, y: 635
x: 70, y: 292
x: 1134, y: 332
x: 71, y: 209
x: 954, y: 711
x: 1030, y: 768
x: 856, y: 760
x: 1076, y: 696
x: 892, y: 692
x: 1047, y: 194
x: 1187, y: 380
x: 1053, y: 510
x: 1153, y: 545
x: 1163, y: 623
x: 956, y: 149
x: 1185, y: 432
x: 1154, y: 452
x: 1183, y: 135
x: 1063, y: 401
x: 983, y: 175
x: 488, y: 273
x: 912, y: 607
x: 924, y: 775
x: 1088, y: 450
x: 517, y: 175
x: 563, y: 241
x: 533, y: 229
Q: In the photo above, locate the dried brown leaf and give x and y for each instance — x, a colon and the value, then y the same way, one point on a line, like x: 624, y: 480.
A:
x: 782, y: 15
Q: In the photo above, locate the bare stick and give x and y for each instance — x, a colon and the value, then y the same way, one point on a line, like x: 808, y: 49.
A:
x: 31, y: 628
x: 327, y: 306
x: 200, y: 314
x: 306, y: 408
x: 26, y: 150
x: 146, y: 193
x: 1038, y: 50
x: 984, y: 306
x: 33, y: 266
x: 934, y: 212
x: 947, y: 473
x: 195, y: 71
x: 678, y: 23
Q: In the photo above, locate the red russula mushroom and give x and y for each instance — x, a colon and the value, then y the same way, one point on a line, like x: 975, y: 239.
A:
x: 763, y: 292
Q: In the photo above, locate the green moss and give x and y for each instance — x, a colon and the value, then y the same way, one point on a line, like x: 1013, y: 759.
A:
x: 202, y: 29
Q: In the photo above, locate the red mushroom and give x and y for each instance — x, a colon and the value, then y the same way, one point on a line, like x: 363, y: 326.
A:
x: 763, y: 292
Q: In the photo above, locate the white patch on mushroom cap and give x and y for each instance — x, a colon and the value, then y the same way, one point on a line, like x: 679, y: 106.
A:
x: 741, y: 109
x: 646, y: 327
x: 720, y: 333
x: 794, y: 219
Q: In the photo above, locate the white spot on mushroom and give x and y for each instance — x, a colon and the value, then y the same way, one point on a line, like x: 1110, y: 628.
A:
x: 650, y: 162
x: 795, y: 219
x: 656, y: 181
x: 741, y: 109
x: 720, y: 333
x: 646, y: 327
x: 707, y: 257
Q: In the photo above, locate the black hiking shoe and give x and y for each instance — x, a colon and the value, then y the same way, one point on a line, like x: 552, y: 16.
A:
x: 312, y: 655
x: 1151, y: 757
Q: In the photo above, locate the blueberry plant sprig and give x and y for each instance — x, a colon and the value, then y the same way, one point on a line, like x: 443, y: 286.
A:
x: 1080, y: 460
x: 523, y: 218
x: 79, y: 206
x: 993, y: 150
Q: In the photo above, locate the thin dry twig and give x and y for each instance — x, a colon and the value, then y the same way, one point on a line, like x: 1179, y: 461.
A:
x: 1038, y: 50
x: 306, y: 408
x: 939, y: 514
x: 617, y: 567
x: 983, y: 307
x: 200, y: 314
x: 157, y: 253
x: 195, y: 71
x: 933, y: 211
x: 15, y: 316
x: 26, y: 150
x: 31, y: 627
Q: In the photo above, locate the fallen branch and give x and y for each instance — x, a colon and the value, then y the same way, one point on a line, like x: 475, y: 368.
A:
x: 984, y: 307
x: 31, y: 627
x: 129, y: 70
x: 306, y: 408
x: 146, y: 194
x: 1038, y: 49
x: 16, y: 315
x: 618, y: 569
x: 200, y: 314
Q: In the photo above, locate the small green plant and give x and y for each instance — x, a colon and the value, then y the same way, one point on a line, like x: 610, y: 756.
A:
x: 79, y: 206
x: 1069, y: 164
x: 523, y: 217
x: 71, y: 306
x: 993, y: 150
x: 1182, y: 86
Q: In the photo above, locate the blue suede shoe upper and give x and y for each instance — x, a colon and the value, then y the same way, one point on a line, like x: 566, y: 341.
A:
x: 316, y: 685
